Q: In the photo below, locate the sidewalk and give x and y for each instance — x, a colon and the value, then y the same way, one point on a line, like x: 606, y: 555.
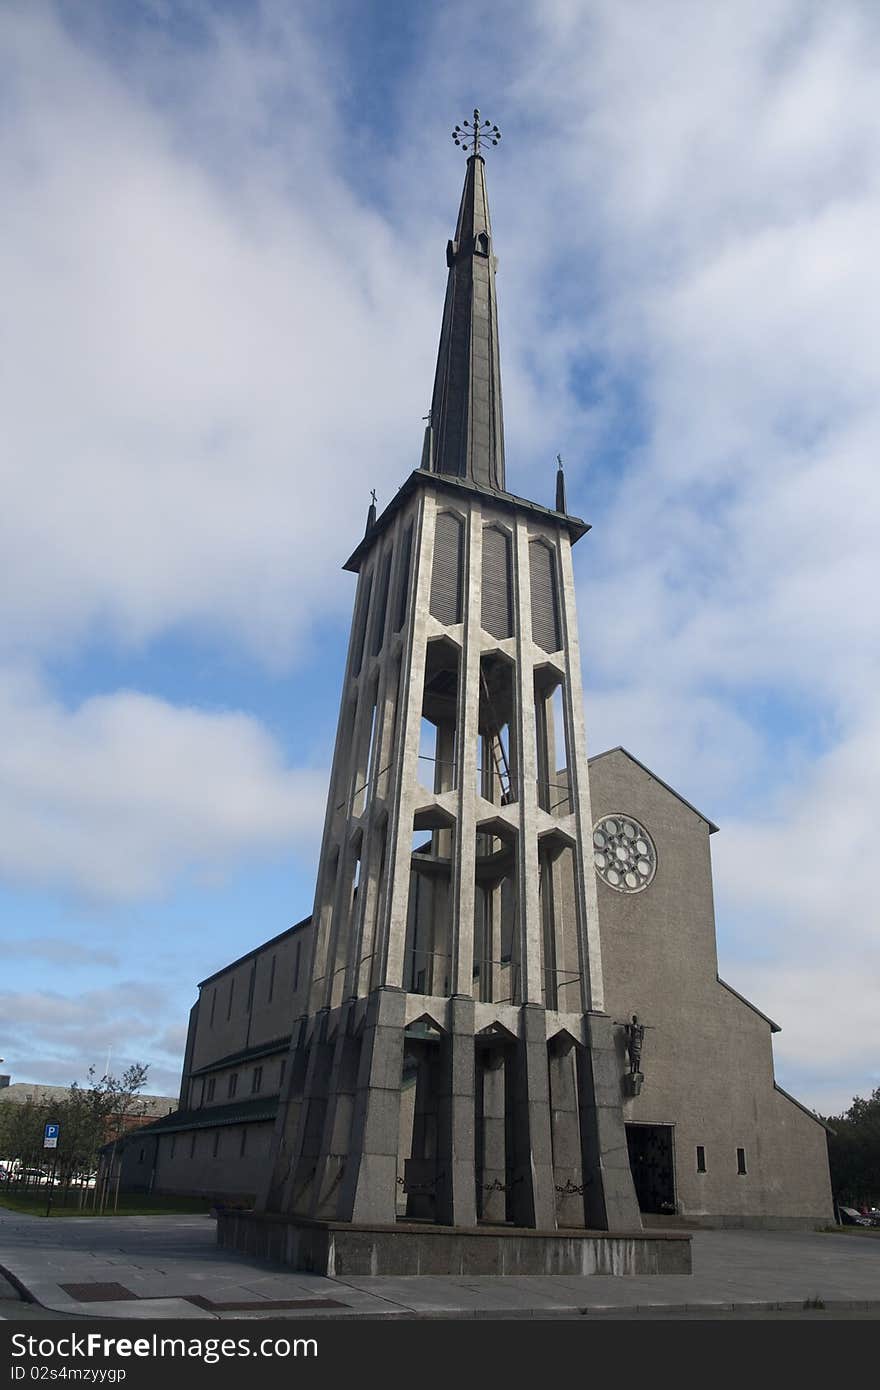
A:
x: 170, y: 1267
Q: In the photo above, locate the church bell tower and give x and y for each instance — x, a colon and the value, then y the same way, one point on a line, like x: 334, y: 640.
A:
x: 451, y: 1059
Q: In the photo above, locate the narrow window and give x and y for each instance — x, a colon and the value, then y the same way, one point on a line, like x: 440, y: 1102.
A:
x: 256, y: 1080
x: 251, y: 983
x: 213, y: 1007
x: 192, y: 1146
x: 212, y: 1082
x: 141, y: 1156
x: 232, y: 1084
x: 296, y: 964
x: 741, y: 1161
x: 271, y: 981
x: 701, y: 1158
x: 243, y: 1143
x: 282, y: 1071
x: 216, y: 1148
x: 173, y: 1144
x: 231, y: 993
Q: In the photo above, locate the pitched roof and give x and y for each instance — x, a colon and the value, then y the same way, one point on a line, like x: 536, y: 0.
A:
x: 236, y: 1112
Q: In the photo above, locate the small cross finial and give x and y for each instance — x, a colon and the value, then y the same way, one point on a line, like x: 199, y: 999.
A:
x: 471, y: 136
x: 559, y: 461
x: 373, y: 495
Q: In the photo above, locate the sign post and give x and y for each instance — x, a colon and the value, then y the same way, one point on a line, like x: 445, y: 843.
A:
x: 50, y: 1141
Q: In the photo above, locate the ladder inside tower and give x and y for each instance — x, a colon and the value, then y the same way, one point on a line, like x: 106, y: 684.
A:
x: 497, y: 751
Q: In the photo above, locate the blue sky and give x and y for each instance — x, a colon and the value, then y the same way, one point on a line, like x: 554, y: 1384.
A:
x: 224, y: 253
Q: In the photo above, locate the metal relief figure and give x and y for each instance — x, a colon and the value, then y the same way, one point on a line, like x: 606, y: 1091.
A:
x: 635, y: 1037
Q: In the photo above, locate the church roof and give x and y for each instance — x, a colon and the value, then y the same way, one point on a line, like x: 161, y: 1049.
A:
x: 620, y: 749
x: 574, y: 525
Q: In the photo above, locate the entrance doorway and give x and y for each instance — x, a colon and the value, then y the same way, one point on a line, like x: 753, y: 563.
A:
x: 650, y: 1160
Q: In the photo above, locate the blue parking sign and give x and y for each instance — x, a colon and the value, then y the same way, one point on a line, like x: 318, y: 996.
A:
x: 50, y: 1136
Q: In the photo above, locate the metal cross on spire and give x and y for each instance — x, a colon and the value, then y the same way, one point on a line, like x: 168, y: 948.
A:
x: 472, y: 135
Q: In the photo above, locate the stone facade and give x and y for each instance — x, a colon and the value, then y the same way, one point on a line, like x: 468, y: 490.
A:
x: 707, y: 1056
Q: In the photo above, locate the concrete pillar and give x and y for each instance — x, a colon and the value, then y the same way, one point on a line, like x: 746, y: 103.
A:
x: 368, y: 1188
x: 609, y: 1194
x: 533, y: 1195
x: 456, y: 1197
x: 492, y: 1173
x: 565, y: 1126
x: 341, y: 1090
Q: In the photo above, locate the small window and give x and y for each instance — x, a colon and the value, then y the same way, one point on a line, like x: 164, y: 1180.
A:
x: 256, y: 1080
x: 141, y: 1156
x: 173, y: 1144
x: 296, y: 965
x: 212, y: 1082
x: 271, y: 981
x: 701, y: 1159
x: 232, y: 1084
x: 192, y: 1146
x: 243, y: 1143
x: 251, y: 982
x: 741, y: 1161
x: 231, y: 993
x: 216, y: 1148
x: 282, y: 1071
x: 213, y: 1007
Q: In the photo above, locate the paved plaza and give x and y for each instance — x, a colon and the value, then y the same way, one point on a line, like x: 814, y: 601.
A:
x: 170, y: 1267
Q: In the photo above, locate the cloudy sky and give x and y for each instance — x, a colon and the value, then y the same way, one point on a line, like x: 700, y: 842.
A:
x: 223, y: 259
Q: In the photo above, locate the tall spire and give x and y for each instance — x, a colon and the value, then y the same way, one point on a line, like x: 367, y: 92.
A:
x: 466, y: 420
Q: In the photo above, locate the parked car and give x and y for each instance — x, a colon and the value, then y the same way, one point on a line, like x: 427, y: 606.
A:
x: 848, y: 1216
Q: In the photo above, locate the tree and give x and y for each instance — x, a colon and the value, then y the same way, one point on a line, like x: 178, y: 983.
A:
x: 854, y: 1152
x: 88, y: 1117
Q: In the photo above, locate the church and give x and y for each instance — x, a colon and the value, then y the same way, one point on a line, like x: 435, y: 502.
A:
x: 504, y: 1013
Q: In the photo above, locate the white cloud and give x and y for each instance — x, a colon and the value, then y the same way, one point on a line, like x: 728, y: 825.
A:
x: 55, y: 1038
x: 115, y: 799
x: 200, y: 391
x: 58, y: 951
x: 220, y: 347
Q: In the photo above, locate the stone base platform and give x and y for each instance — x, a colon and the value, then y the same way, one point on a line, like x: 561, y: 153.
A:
x: 335, y: 1248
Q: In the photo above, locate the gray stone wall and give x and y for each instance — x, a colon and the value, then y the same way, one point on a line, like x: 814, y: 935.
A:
x: 254, y: 1018
x: 707, y: 1057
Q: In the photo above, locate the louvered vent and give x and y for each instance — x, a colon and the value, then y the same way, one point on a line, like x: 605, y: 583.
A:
x: 496, y: 616
x: 403, y: 579
x: 361, y: 630
x: 545, y: 603
x: 446, y: 574
x: 381, y: 604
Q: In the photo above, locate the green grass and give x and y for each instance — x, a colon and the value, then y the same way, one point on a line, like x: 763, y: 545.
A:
x: 130, y: 1204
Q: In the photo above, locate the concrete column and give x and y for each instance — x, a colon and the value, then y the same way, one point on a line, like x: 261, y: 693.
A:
x: 402, y: 795
x: 456, y: 1197
x: 492, y: 1173
x: 368, y: 1189
x: 464, y: 852
x: 565, y: 1124
x: 529, y: 906
x: 585, y: 895
x: 306, y: 1141
x: 609, y: 1194
x: 533, y: 1193
x: 341, y: 1090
